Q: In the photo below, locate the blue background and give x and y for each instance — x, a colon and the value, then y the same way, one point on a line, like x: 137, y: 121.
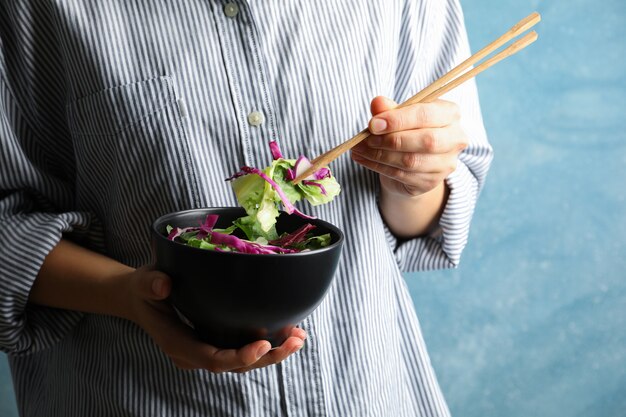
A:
x: 533, y: 323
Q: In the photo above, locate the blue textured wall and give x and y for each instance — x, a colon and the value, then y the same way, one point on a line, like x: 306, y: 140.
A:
x: 533, y: 323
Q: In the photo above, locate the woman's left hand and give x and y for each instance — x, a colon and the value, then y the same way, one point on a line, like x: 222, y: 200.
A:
x: 413, y: 148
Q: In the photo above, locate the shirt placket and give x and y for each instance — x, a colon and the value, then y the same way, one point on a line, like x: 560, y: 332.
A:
x: 252, y: 104
x: 252, y: 101
x: 247, y: 82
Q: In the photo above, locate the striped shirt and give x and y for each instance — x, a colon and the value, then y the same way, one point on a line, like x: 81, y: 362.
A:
x: 115, y: 112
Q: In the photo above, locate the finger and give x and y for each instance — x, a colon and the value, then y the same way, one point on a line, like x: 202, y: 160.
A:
x: 189, y: 353
x: 185, y: 349
x: 380, y: 104
x: 220, y: 360
x: 439, y: 113
x: 298, y: 332
x: 388, y: 162
x: 290, y: 346
x: 274, y: 356
x: 151, y: 284
x: 231, y: 359
x: 426, y: 140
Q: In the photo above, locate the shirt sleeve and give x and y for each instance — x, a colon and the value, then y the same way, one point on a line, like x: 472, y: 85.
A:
x: 36, y: 196
x: 442, y: 44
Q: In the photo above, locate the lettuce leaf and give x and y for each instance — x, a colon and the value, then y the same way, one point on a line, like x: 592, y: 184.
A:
x: 261, y: 194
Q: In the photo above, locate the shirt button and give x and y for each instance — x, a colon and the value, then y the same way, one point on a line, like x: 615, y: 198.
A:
x: 231, y: 9
x: 256, y: 118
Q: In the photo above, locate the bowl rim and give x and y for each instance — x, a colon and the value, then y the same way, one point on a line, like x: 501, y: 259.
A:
x: 325, y: 223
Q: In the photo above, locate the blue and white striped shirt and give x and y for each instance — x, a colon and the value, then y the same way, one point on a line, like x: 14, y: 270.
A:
x: 115, y: 112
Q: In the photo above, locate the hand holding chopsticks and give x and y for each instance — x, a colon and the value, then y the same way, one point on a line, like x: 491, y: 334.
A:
x: 446, y: 83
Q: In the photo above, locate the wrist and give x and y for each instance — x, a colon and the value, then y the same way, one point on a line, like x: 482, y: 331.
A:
x: 117, y: 290
x: 412, y: 216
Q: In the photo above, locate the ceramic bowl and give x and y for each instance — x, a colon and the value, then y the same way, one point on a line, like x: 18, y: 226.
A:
x: 232, y: 299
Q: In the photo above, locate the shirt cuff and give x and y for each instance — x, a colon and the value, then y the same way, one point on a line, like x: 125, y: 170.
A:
x: 443, y: 247
x: 25, y: 241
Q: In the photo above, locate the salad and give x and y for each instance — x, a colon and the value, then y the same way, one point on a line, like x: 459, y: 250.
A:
x: 261, y: 192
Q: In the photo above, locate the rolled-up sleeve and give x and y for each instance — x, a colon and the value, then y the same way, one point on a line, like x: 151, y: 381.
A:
x: 445, y: 45
x: 36, y: 198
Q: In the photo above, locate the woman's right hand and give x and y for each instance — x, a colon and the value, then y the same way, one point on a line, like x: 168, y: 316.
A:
x: 147, y: 291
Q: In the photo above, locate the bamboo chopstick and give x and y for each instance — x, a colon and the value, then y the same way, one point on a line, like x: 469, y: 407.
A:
x: 515, y: 47
x: 447, y: 82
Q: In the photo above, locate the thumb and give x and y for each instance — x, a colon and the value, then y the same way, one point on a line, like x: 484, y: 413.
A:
x: 380, y: 104
x: 152, y: 284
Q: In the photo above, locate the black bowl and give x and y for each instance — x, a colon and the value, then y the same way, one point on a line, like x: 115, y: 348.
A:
x: 232, y: 299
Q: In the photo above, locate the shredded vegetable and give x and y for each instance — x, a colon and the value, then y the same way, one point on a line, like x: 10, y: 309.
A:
x: 261, y: 192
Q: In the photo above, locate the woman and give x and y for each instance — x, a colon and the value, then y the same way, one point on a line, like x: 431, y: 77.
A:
x: 114, y: 113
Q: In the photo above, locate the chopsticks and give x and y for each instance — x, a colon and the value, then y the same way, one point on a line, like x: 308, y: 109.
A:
x: 447, y: 82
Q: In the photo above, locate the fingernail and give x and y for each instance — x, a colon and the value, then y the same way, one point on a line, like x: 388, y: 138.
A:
x: 263, y: 350
x: 390, y: 103
x: 374, y: 141
x: 157, y: 286
x: 378, y: 125
x: 297, y: 348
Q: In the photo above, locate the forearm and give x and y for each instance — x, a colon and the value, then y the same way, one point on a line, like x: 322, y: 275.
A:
x: 75, y: 278
x: 409, y: 217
